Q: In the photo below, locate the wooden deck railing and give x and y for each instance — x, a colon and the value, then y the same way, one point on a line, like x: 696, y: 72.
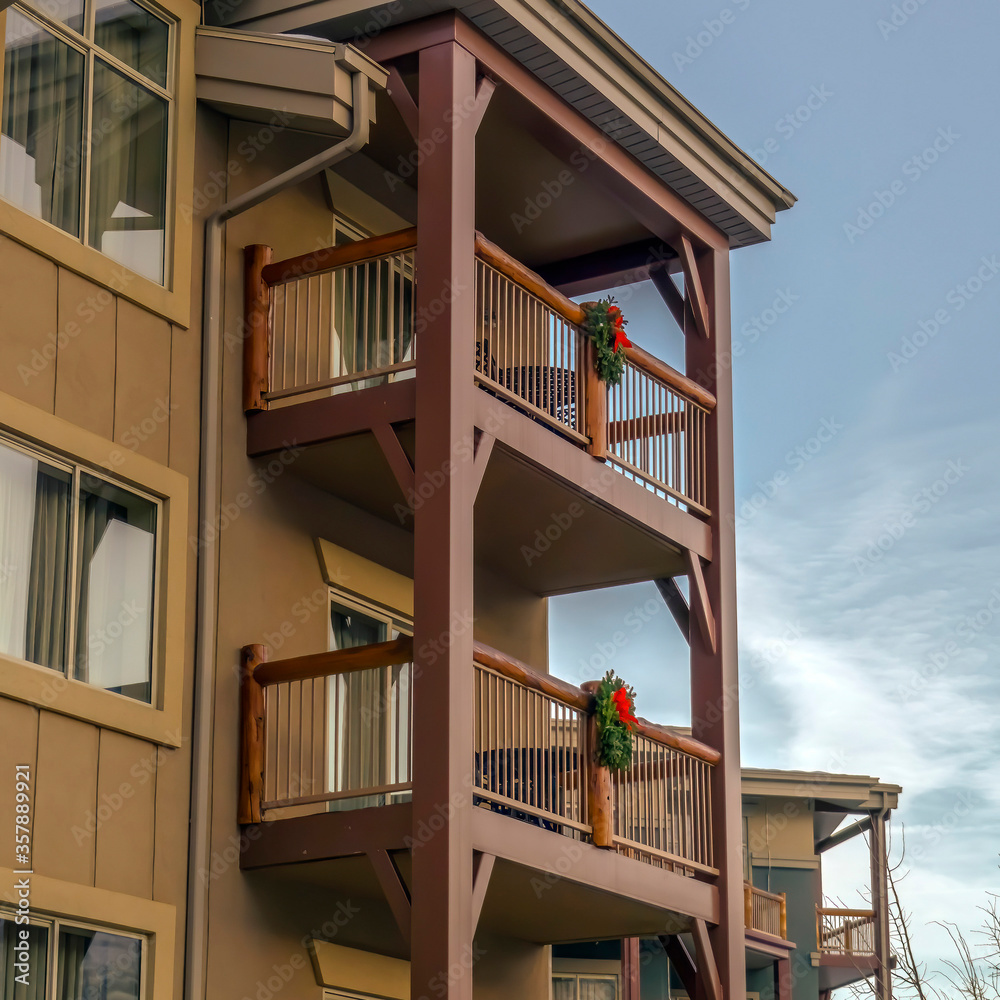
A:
x: 344, y: 318
x: 765, y: 911
x: 335, y: 727
x: 845, y: 932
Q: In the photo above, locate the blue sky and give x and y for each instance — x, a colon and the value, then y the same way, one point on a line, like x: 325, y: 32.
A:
x: 869, y: 597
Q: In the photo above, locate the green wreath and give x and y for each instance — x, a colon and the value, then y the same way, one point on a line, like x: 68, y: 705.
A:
x: 605, y: 325
x: 615, y: 712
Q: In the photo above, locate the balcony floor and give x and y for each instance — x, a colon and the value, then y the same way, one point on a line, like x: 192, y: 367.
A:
x: 545, y: 888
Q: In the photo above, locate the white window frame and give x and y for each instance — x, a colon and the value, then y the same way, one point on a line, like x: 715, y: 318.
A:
x: 76, y: 469
x: 54, y: 924
x: 85, y: 44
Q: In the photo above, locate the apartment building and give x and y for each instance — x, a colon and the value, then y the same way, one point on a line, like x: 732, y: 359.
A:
x: 301, y: 428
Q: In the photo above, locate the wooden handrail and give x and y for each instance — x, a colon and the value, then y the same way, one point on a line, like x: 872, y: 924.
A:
x: 330, y: 258
x: 671, y: 377
x: 828, y: 912
x: 335, y: 661
x: 776, y: 896
x: 512, y: 268
x: 686, y: 744
x: 553, y: 687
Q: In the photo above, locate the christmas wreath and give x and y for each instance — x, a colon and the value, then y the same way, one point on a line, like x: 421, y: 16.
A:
x: 615, y: 708
x: 605, y: 326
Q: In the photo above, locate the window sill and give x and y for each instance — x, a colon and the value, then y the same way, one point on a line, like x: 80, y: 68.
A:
x: 66, y: 251
x: 55, y: 692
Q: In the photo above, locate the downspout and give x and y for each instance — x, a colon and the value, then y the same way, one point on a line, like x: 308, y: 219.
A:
x: 210, y: 500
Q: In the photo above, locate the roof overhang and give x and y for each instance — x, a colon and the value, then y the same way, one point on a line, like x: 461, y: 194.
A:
x: 574, y: 53
x: 846, y: 792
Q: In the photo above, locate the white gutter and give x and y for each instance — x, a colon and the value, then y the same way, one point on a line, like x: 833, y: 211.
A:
x: 209, y: 509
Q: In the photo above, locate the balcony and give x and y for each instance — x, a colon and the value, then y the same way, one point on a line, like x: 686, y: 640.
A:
x: 339, y: 327
x: 327, y: 739
x: 765, y: 912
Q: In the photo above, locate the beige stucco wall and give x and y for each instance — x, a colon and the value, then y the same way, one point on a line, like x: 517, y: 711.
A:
x: 780, y: 831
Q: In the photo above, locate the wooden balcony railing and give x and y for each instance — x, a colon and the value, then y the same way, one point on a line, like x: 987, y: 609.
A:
x: 333, y: 730
x: 765, y: 911
x: 343, y: 318
x: 845, y: 932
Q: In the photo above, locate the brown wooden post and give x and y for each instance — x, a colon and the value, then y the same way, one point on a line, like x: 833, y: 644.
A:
x: 880, y: 904
x: 714, y: 672
x: 783, y: 979
x: 600, y: 808
x: 256, y: 327
x: 252, y: 736
x: 747, y: 905
x: 441, y: 955
x: 631, y: 965
x: 784, y: 917
x: 596, y: 401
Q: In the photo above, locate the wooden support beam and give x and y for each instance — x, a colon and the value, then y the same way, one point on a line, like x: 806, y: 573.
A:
x: 394, y: 888
x: 484, y: 448
x: 694, y: 289
x: 862, y: 826
x: 482, y: 869
x: 403, y: 100
x: 484, y: 91
x: 676, y: 604
x: 395, y: 455
x: 700, y: 603
x: 681, y: 961
x: 670, y: 294
x: 708, y: 974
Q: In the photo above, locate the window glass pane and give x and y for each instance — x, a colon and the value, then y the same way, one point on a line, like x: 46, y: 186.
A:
x: 352, y: 628
x: 134, y: 35
x: 23, y: 961
x: 594, y: 988
x: 117, y: 551
x: 34, y: 554
x: 70, y: 12
x: 97, y: 964
x: 564, y: 988
x: 42, y: 124
x: 128, y: 172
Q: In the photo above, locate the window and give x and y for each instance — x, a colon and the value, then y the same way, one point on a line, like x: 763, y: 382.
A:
x: 52, y: 959
x: 86, y: 116
x: 78, y: 562
x: 589, y: 986
x: 369, y: 711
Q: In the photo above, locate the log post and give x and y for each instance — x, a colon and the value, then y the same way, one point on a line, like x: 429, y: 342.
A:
x: 784, y: 917
x: 748, y: 905
x: 596, y: 395
x: 600, y: 809
x: 256, y: 327
x: 251, y: 736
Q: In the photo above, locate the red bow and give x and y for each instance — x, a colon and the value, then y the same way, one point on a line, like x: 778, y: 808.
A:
x: 623, y: 703
x: 620, y: 339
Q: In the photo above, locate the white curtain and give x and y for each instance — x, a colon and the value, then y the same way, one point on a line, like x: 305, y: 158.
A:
x: 18, y: 476
x: 120, y: 607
